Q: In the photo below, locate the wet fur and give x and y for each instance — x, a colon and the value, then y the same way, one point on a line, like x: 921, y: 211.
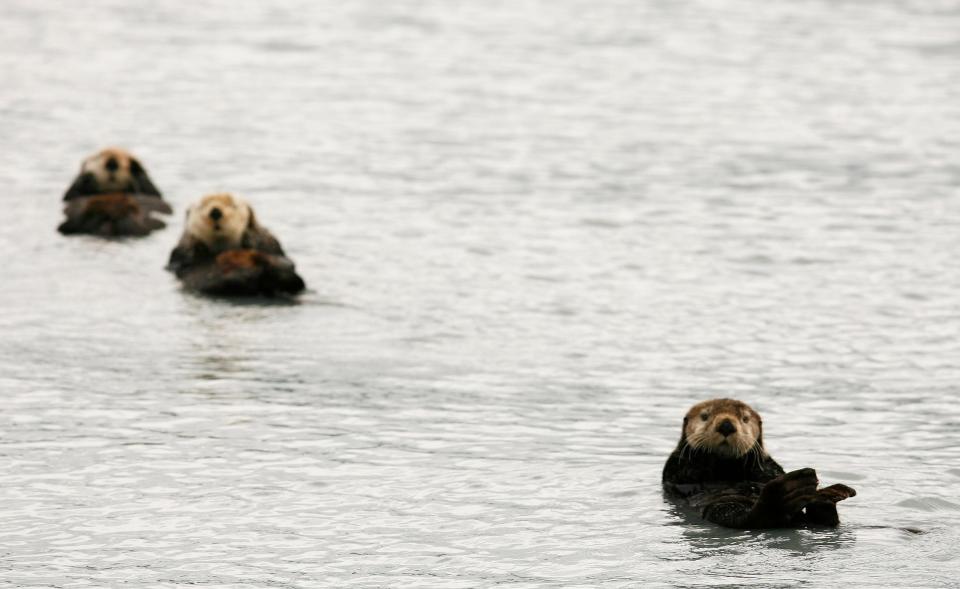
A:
x: 244, y: 272
x: 737, y: 484
x: 113, y: 215
x: 231, y: 255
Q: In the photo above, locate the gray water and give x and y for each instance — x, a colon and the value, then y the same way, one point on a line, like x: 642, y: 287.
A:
x: 534, y: 233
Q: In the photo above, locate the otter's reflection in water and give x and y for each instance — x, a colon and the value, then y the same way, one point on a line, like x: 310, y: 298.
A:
x: 707, y: 540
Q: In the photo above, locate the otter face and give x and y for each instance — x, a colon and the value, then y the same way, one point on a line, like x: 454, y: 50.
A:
x: 113, y: 169
x: 219, y: 221
x: 723, y: 426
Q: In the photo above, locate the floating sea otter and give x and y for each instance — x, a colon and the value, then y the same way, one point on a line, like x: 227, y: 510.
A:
x: 112, y: 196
x: 224, y: 251
x: 721, y: 468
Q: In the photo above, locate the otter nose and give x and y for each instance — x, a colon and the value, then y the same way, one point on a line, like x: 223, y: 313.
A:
x: 111, y: 165
x: 726, y: 427
x: 216, y: 214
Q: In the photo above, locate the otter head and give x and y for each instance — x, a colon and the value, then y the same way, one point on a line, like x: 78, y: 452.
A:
x: 114, y: 169
x: 219, y: 221
x: 723, y: 426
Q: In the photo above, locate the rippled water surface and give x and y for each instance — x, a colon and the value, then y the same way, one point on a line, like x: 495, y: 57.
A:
x: 534, y: 233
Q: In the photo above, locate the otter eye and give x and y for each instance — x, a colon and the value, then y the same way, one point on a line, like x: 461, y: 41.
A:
x: 746, y: 418
x: 704, y: 415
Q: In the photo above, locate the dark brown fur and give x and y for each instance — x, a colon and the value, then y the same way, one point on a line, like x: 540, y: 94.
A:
x: 744, y: 489
x: 112, y: 215
x: 243, y: 272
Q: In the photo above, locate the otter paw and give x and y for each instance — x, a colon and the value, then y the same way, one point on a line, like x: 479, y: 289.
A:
x: 836, y: 493
x: 822, y: 511
x: 784, y: 497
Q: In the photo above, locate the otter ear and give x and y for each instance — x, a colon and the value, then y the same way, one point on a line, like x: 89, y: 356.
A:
x: 759, y: 430
x: 683, y: 430
x: 141, y: 181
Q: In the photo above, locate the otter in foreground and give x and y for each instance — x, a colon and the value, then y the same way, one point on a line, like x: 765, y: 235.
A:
x: 721, y: 468
x: 112, y: 196
x: 225, y: 251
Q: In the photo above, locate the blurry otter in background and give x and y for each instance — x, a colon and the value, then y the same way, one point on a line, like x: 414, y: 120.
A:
x: 112, y: 196
x: 721, y: 468
x: 225, y: 251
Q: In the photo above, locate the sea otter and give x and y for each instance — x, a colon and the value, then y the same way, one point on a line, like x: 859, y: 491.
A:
x: 721, y: 467
x: 225, y: 251
x: 112, y: 196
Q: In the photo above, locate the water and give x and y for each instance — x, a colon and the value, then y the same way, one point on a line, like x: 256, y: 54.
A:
x: 534, y: 233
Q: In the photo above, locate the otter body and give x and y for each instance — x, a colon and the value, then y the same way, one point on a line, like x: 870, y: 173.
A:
x: 112, y: 196
x: 243, y: 272
x: 113, y: 215
x: 721, y: 468
x: 225, y: 251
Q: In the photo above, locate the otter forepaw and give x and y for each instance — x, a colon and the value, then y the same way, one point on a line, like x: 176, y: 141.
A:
x: 783, y: 498
x: 822, y: 511
x: 836, y: 493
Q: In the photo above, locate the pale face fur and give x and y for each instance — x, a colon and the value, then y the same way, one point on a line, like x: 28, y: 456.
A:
x: 111, y: 167
x: 219, y: 221
x: 706, y: 424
